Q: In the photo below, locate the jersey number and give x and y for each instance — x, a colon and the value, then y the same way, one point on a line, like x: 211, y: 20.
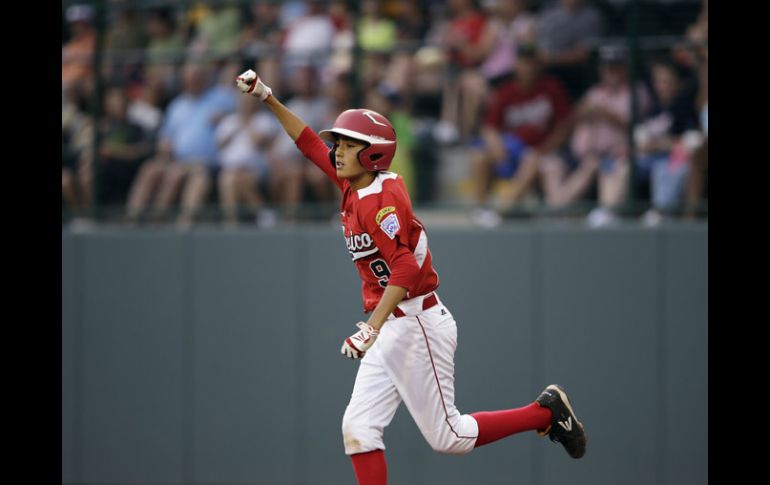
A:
x: 381, y: 271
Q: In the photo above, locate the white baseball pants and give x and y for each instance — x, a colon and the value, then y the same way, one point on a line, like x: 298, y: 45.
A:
x: 413, y: 360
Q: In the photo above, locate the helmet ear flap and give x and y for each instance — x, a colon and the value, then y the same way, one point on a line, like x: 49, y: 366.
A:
x: 365, y: 159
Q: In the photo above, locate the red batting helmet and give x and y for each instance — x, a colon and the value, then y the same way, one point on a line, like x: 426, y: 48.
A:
x: 370, y: 127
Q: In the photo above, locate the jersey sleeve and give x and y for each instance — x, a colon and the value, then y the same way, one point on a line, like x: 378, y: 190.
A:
x: 387, y: 223
x: 311, y: 145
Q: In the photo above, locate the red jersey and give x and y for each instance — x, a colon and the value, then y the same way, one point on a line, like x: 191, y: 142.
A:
x: 530, y: 114
x: 386, y: 241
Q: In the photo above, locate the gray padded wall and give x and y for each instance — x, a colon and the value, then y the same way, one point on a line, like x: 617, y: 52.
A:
x: 213, y: 356
x: 244, y: 364
x: 132, y: 350
x: 598, y: 300
x: 685, y: 323
x: 69, y: 334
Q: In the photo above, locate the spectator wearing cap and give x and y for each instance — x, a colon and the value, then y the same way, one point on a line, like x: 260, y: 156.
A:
x: 566, y: 35
x: 599, y: 142
x: 78, y: 52
x: 526, y: 119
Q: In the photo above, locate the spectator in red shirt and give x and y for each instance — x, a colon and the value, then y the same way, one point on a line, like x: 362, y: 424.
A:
x: 526, y: 119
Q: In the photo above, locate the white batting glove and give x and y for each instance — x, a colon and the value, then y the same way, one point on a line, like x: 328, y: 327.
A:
x: 249, y: 83
x: 357, y: 344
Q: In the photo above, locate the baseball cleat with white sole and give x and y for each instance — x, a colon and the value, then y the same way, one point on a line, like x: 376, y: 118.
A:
x: 565, y: 427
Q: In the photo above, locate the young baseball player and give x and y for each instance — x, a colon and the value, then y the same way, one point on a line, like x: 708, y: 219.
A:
x: 407, y: 345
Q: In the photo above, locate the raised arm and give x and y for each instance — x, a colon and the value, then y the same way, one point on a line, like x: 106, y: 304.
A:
x: 306, y: 139
x: 292, y: 123
x: 251, y: 84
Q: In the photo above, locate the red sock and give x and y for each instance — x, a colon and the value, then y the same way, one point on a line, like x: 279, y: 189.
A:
x: 370, y: 468
x: 494, y: 425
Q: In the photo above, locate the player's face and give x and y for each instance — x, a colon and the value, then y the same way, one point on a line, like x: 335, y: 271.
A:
x: 348, y: 166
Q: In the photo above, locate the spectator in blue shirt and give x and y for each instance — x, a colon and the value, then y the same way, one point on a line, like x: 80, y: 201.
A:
x: 186, y: 152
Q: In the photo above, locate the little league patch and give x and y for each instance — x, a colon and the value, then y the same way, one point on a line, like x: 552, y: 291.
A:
x: 390, y: 225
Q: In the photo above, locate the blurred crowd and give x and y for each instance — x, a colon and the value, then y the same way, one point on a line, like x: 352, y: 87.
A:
x: 537, y: 97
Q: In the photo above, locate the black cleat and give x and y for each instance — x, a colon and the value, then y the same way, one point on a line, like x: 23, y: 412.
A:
x: 565, y: 427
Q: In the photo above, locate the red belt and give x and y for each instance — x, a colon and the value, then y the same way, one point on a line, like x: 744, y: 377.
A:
x: 428, y: 302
